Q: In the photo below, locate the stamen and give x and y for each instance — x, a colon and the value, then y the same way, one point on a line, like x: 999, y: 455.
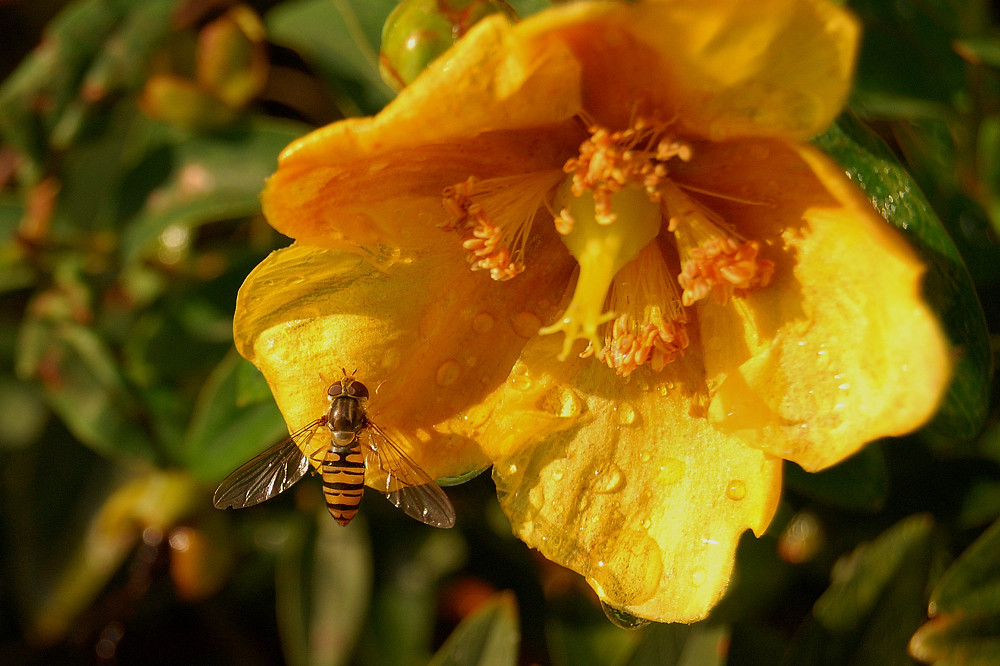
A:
x: 651, y: 326
x: 494, y: 218
x: 611, y: 161
x: 716, y: 261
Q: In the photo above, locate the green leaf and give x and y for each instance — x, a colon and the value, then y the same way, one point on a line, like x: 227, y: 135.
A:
x: 980, y: 50
x: 875, y: 603
x: 90, y: 50
x: 84, y: 387
x: 211, y: 177
x: 224, y: 432
x: 907, y: 56
x: 949, y: 289
x: 958, y: 641
x: 860, y: 483
x: 971, y: 586
x: 488, y: 637
x: 323, y: 581
x: 660, y: 645
x: 340, y: 38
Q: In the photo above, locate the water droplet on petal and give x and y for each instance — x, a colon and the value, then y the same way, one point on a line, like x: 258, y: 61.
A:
x: 645, y: 457
x: 625, y: 414
x: 698, y: 576
x: 621, y: 619
x: 647, y: 523
x: 448, y: 372
x: 608, y: 479
x: 526, y: 324
x: 626, y: 565
x: 562, y: 402
x: 736, y: 490
x: 482, y: 322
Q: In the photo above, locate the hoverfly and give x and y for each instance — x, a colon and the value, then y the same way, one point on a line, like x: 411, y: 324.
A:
x: 356, y: 444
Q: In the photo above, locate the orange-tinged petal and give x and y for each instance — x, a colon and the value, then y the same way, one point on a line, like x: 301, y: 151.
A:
x: 840, y: 349
x: 725, y: 68
x: 427, y: 338
x: 627, y: 482
x: 394, y: 198
x: 502, y: 101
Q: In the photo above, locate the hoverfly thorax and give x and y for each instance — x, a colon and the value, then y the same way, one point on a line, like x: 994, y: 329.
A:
x: 346, y: 417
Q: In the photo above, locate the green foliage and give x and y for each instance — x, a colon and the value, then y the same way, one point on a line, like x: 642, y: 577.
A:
x: 128, y: 219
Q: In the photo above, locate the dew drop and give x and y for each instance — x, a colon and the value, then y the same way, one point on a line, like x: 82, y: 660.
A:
x: 645, y: 456
x: 647, y: 523
x: 698, y: 576
x: 556, y: 469
x: 296, y: 279
x: 608, y: 479
x: 562, y: 402
x: 482, y: 322
x: 625, y: 414
x: 448, y: 373
x: 626, y: 565
x: 526, y: 324
x: 621, y: 619
x: 736, y: 490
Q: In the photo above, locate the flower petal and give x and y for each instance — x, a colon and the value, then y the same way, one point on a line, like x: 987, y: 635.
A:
x: 428, y: 338
x: 840, y: 349
x: 727, y: 67
x: 627, y: 483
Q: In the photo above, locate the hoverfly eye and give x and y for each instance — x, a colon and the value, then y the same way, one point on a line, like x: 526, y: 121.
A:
x: 357, y: 390
x: 336, y: 389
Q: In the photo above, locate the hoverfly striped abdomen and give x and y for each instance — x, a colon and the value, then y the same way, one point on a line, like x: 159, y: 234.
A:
x: 356, y: 444
x: 343, y: 472
x: 343, y: 469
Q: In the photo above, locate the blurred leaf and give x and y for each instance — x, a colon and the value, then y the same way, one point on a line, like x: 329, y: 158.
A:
x: 412, y: 561
x: 596, y: 644
x: 860, y: 483
x: 958, y: 641
x: 488, y: 637
x: 981, y: 50
x: 949, y: 289
x: 971, y: 586
x: 83, y: 385
x: 225, y: 433
x: 323, y: 584
x: 988, y: 163
x: 91, y: 49
x: 212, y: 177
x: 156, y: 499
x: 660, y: 645
x: 251, y: 387
x: 907, y: 58
x: 340, y: 38
x: 875, y: 603
x: 980, y: 504
x: 22, y: 413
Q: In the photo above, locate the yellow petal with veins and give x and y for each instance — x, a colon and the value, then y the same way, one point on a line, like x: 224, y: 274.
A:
x: 840, y: 349
x: 626, y: 482
x: 428, y: 339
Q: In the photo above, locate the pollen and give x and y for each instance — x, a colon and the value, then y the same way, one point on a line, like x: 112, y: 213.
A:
x: 609, y: 162
x: 716, y: 262
x: 651, y: 326
x: 494, y: 216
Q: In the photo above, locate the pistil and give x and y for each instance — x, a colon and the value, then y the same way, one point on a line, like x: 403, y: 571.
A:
x: 601, y: 249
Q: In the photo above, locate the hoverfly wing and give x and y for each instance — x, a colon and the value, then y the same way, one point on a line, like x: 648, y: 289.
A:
x: 406, y: 484
x: 270, y: 473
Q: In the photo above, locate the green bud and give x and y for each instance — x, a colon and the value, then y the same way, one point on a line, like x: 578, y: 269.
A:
x: 418, y: 31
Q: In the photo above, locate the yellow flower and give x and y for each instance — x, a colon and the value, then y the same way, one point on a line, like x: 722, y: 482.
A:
x: 718, y: 295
